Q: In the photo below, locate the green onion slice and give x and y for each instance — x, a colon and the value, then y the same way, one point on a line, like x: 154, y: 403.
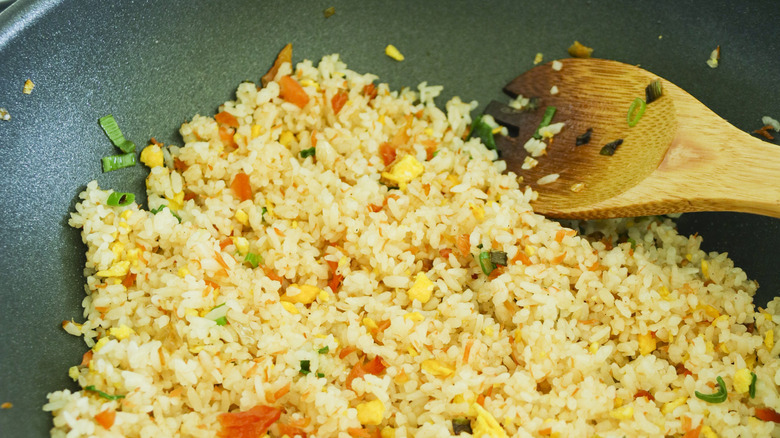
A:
x: 92, y: 388
x: 485, y: 263
x: 305, y: 153
x: 498, y: 258
x: 305, y: 367
x: 717, y: 397
x: 160, y: 208
x: 635, y: 112
x: 218, y: 314
x: 484, y: 132
x: 113, y: 132
x: 752, y: 387
x: 120, y: 199
x: 460, y: 425
x: 253, y: 259
x: 549, y: 112
x: 115, y: 162
x: 320, y: 375
x: 323, y: 350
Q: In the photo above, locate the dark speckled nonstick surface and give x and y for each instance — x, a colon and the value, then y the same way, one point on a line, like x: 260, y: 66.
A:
x: 155, y: 64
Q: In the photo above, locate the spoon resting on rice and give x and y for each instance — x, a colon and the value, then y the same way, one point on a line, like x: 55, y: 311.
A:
x: 678, y: 156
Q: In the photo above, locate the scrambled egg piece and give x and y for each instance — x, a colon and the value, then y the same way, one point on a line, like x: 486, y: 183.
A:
x: 422, y: 289
x: 672, y: 405
x: 119, y: 269
x: 286, y: 138
x: 242, y: 217
x: 370, y: 323
x: 121, y: 332
x: 403, y: 171
x: 436, y: 368
x: 152, y: 156
x: 73, y: 373
x: 486, y: 424
x: 306, y: 295
x: 100, y: 344
x: 370, y: 413
x: 290, y: 307
x: 414, y: 316
x: 647, y: 343
x: 394, y: 53
x: 242, y: 244
x: 387, y: 432
x: 707, y: 432
x: 623, y: 413
x: 742, y: 379
x: 257, y: 130
x: 769, y: 339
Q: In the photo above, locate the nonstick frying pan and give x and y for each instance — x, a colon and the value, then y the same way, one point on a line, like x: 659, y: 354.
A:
x: 154, y: 64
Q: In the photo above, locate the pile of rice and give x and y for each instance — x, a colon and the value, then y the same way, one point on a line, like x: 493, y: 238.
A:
x: 607, y: 329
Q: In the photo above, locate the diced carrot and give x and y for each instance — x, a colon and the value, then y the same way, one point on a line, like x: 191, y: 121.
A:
x: 559, y: 235
x: 375, y: 208
x: 356, y: 373
x: 272, y: 275
x: 180, y: 165
x: 106, y: 418
x: 546, y: 431
x: 445, y: 252
x: 155, y: 142
x: 335, y: 282
x: 686, y: 423
x: 430, y: 148
x: 248, y: 424
x: 224, y: 243
x: 595, y: 266
x: 346, y: 351
x: 370, y: 91
x: 281, y: 392
x: 241, y: 187
x: 314, y: 138
x: 358, y: 432
x: 226, y: 135
x: 220, y: 260
x: 284, y: 56
x: 481, y: 400
x: 402, y: 136
x: 290, y: 430
x: 227, y: 119
x: 291, y: 91
x: 211, y: 283
x: 496, y: 272
x: 463, y: 245
x: 766, y: 414
x: 129, y: 279
x: 375, y: 366
x: 86, y: 358
x: 645, y: 394
x: 557, y: 260
x: 521, y: 257
x: 693, y: 433
x: 338, y: 100
x: 387, y: 152
x: 467, y: 350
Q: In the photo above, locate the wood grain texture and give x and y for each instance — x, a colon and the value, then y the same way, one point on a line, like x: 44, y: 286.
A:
x: 680, y: 157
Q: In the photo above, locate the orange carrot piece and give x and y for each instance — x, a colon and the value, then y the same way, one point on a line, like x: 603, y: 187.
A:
x: 106, y: 418
x: 766, y: 414
x: 226, y: 135
x: 559, y: 259
x: 272, y: 275
x: 248, y: 424
x: 314, y: 138
x: 282, y: 391
x: 290, y: 430
x: 376, y: 365
x: 220, y: 260
x: 693, y: 433
x: 285, y: 55
x: 346, y: 351
x: 338, y: 100
x: 358, y: 432
x: 227, y: 119
x: 545, y: 431
x: 241, y: 187
x: 129, y: 279
x: 467, y: 350
x: 224, y: 243
x: 86, y: 358
x: 370, y: 91
x: 463, y: 245
x: 387, y: 152
x: 291, y: 91
x: 559, y: 235
x: 521, y: 257
x: 357, y: 372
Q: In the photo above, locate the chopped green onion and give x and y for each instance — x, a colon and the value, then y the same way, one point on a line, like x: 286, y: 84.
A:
x: 308, y: 152
x: 323, y: 350
x: 752, y: 387
x: 103, y: 394
x: 635, y: 112
x: 320, y: 375
x: 632, y: 242
x: 435, y: 153
x: 218, y: 314
x: 120, y: 199
x: 484, y: 131
x: 498, y: 258
x: 549, y: 112
x: 485, y: 263
x: 460, y: 425
x: 653, y: 91
x: 584, y: 138
x: 113, y: 132
x: 253, y: 259
x: 610, y: 148
x: 717, y: 397
x: 305, y: 367
x: 116, y: 162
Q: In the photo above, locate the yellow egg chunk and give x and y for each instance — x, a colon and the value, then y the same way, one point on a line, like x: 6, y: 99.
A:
x: 306, y: 294
x: 422, y: 289
x: 486, y: 424
x: 152, y: 156
x: 393, y: 52
x: 119, y: 269
x: 403, y: 171
x: 647, y: 343
x: 370, y: 413
x: 436, y: 368
x: 121, y: 332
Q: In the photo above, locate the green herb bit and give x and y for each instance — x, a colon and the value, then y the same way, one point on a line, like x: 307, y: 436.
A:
x: 305, y: 153
x: 114, y: 134
x: 632, y: 242
x: 549, y: 112
x: 485, y: 263
x: 120, y: 199
x: 480, y: 129
x: 253, y: 259
x: 584, y: 138
x: 635, y: 112
x: 653, y: 91
x: 498, y: 258
x: 305, y: 367
x: 323, y: 350
x: 460, y: 425
x: 160, y: 208
x: 320, y: 375
x: 222, y: 320
x: 717, y: 397
x: 116, y: 162
x: 103, y: 394
x: 610, y: 148
x: 752, y: 387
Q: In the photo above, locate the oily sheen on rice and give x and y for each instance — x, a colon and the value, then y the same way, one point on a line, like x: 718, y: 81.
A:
x: 606, y: 329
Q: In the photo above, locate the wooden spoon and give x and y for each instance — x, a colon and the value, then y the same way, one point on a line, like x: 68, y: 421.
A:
x: 679, y: 157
